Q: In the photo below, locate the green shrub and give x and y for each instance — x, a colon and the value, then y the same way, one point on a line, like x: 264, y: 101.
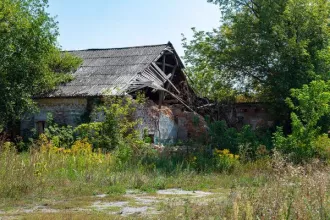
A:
x: 247, y: 141
x: 309, y: 105
x: 222, y: 137
x: 225, y: 161
x: 61, y: 136
x: 95, y: 132
x: 322, y: 146
x: 123, y: 154
x: 118, y: 129
x: 146, y: 138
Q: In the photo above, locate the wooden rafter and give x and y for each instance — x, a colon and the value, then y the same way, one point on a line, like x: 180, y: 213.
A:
x: 162, y: 74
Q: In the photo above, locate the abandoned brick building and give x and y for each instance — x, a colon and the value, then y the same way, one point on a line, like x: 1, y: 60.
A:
x: 156, y: 70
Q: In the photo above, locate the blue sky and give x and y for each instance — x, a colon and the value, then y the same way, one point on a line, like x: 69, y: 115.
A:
x: 120, y: 23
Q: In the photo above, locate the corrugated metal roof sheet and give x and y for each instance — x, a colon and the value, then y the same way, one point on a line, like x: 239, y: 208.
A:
x: 108, y: 70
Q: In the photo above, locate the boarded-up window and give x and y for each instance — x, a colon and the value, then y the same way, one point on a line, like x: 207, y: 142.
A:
x: 41, y: 127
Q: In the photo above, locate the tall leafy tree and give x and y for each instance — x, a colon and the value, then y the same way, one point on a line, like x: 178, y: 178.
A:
x: 30, y: 60
x: 263, y: 47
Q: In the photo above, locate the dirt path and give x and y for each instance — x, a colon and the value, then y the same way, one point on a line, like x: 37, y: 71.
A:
x: 133, y: 203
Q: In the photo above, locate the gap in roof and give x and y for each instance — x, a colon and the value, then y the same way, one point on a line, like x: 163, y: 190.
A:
x: 86, y: 24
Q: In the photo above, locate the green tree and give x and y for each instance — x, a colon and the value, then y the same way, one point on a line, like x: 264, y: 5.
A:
x: 263, y: 47
x: 206, y: 76
x: 309, y: 104
x: 30, y: 60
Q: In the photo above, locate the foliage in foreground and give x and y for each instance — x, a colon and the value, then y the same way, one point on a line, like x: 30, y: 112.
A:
x: 290, y: 192
x: 269, y: 188
x: 47, y: 168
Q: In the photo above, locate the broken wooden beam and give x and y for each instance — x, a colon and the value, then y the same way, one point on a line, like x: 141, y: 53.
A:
x: 162, y: 74
x: 161, y: 93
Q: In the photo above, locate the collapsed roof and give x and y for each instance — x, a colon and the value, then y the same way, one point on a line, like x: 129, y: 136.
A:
x: 118, y: 70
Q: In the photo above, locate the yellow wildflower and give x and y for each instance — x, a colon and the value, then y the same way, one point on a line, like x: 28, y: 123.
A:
x: 225, y: 152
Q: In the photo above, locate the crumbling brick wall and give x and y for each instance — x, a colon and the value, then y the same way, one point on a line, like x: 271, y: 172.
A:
x: 169, y: 124
x: 166, y: 125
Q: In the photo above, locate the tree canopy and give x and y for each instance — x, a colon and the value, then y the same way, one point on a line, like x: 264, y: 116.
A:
x: 30, y: 60
x: 262, y: 47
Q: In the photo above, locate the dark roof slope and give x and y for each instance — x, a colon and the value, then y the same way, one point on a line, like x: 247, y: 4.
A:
x: 108, y: 70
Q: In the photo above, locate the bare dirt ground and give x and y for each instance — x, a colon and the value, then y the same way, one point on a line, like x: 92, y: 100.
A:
x: 132, y: 204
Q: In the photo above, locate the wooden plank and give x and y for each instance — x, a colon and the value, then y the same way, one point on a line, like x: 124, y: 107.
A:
x: 171, y: 77
x: 161, y: 93
x: 179, y: 99
x: 158, y: 71
x: 151, y: 75
x: 162, y: 74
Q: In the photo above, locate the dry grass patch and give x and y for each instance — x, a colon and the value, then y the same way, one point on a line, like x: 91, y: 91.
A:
x: 70, y: 216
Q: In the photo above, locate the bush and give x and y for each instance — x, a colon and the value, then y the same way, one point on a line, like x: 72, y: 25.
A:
x: 247, y: 141
x: 82, y: 147
x: 225, y: 161
x: 309, y: 105
x: 117, y: 129
x: 95, y: 132
x: 222, y: 137
x: 61, y: 136
x: 322, y: 146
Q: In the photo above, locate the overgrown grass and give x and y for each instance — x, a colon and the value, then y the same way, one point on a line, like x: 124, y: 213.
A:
x: 289, y: 193
x: 269, y: 188
x: 45, y: 173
